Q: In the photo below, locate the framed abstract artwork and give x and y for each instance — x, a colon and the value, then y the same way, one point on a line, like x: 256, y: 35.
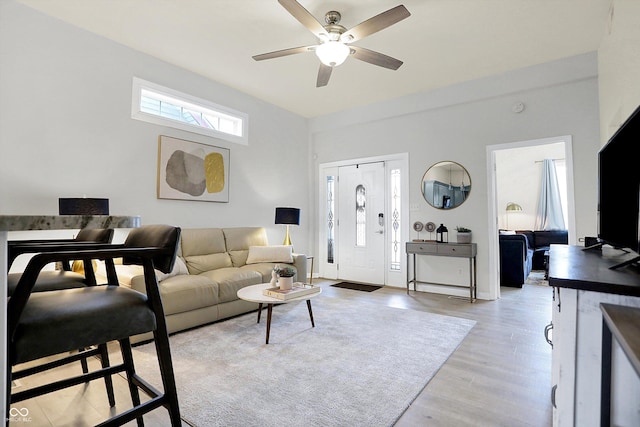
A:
x: 189, y: 170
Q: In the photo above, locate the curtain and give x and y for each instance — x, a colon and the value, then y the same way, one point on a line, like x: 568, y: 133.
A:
x: 549, y: 216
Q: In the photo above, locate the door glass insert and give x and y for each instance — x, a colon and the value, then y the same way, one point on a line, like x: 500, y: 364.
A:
x: 361, y: 216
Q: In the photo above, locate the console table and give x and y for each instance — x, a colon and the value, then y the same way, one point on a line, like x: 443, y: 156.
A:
x: 42, y: 222
x: 458, y: 250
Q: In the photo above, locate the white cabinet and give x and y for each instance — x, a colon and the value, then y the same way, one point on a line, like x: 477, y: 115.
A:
x: 577, y: 355
x: 580, y: 285
x: 564, y: 355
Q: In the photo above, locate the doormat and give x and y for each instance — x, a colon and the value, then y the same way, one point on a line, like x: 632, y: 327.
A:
x: 357, y: 286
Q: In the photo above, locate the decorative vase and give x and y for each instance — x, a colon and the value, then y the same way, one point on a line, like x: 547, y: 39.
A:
x: 464, y: 237
x: 285, y: 283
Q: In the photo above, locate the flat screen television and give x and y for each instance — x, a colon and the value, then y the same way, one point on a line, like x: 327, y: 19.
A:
x: 619, y: 187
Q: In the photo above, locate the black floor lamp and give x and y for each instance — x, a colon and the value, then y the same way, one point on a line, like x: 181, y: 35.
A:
x: 287, y: 216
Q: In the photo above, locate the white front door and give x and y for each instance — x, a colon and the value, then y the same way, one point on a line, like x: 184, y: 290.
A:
x: 361, y: 233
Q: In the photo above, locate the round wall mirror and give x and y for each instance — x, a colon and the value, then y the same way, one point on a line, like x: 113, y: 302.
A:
x: 446, y: 185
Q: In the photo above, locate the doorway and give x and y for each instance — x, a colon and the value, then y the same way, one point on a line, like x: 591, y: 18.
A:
x: 499, y: 217
x: 361, y: 216
x: 363, y: 220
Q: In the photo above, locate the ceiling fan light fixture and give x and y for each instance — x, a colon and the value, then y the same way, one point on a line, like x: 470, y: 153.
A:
x: 332, y: 53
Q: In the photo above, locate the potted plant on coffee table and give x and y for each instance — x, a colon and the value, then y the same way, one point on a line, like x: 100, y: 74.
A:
x: 464, y: 234
x: 285, y: 276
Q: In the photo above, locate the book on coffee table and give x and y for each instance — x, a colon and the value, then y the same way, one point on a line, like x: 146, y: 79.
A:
x: 296, y: 291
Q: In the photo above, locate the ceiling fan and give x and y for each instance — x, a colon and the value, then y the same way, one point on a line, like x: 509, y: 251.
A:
x: 335, y: 39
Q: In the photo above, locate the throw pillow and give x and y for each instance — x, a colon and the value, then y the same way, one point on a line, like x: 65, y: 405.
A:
x: 275, y: 253
x: 178, y: 268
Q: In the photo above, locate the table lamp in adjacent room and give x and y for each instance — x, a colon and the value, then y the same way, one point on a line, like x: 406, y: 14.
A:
x: 287, y: 216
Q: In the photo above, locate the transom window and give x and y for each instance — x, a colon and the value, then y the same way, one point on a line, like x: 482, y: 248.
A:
x: 164, y: 106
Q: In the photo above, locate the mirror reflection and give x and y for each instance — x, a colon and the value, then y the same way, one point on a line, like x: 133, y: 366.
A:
x: 446, y: 185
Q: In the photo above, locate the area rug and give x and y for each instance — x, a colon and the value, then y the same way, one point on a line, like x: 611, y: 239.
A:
x: 362, y: 365
x: 357, y: 286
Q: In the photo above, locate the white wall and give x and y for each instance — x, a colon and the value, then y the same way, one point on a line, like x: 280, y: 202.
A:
x: 619, y: 67
x: 66, y: 131
x: 458, y: 122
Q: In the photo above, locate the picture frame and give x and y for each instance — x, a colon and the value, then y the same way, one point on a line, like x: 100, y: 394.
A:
x: 189, y: 170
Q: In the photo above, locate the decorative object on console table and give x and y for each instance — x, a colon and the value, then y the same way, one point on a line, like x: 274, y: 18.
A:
x: 82, y: 206
x: 463, y: 235
x: 442, y: 234
x: 430, y: 227
x: 287, y: 216
x: 417, y: 226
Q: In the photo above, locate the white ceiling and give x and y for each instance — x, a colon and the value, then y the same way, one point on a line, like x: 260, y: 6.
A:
x: 443, y: 42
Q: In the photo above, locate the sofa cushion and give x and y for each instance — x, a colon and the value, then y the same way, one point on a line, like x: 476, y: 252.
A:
x: 230, y: 280
x: 201, y: 241
x: 200, y: 263
x: 531, y: 238
x: 544, y: 239
x: 179, y: 267
x: 186, y: 292
x: 277, y: 253
x: 204, y: 249
x: 240, y: 239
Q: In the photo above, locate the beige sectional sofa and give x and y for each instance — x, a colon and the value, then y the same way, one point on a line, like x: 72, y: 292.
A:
x: 212, y: 264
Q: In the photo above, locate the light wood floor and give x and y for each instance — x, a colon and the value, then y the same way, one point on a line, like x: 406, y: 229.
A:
x: 499, y: 376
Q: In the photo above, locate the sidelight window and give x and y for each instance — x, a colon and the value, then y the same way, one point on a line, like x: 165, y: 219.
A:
x: 396, y: 239
x: 330, y: 218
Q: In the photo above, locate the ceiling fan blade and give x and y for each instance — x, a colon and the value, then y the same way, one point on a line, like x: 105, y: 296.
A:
x: 375, y: 58
x: 283, y: 52
x: 304, y: 17
x: 375, y: 24
x: 324, y: 73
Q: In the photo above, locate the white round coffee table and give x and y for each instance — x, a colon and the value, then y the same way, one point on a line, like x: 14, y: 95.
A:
x: 254, y: 294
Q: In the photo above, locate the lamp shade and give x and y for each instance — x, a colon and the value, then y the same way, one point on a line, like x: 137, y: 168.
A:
x: 288, y: 216
x: 332, y: 53
x: 83, y: 206
x: 513, y: 207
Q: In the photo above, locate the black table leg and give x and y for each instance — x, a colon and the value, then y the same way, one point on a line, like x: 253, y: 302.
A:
x: 269, y: 311
x: 259, y: 311
x: 313, y: 325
